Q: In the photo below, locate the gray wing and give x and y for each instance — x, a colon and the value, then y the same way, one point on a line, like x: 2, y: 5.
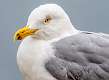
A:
x: 84, y: 56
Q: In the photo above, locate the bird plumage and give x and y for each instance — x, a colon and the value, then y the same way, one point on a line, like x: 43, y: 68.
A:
x: 59, y: 51
x: 83, y: 56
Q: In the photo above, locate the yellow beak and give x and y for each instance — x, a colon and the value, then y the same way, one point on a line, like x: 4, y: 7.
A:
x: 24, y: 32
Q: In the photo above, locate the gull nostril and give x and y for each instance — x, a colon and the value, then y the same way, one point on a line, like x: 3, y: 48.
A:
x: 17, y: 35
x: 19, y: 38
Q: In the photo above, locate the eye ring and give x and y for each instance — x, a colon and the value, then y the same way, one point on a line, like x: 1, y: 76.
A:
x: 47, y: 20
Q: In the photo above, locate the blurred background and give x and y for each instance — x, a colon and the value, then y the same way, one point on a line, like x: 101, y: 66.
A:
x: 87, y: 15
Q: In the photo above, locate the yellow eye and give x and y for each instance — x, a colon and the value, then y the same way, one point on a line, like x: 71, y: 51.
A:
x: 47, y: 20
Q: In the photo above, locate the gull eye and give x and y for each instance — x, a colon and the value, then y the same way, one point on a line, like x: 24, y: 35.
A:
x: 47, y: 20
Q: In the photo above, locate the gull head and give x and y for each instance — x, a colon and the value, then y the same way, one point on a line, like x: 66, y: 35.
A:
x: 46, y: 22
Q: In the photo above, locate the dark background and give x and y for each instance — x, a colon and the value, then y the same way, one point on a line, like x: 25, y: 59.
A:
x: 89, y: 15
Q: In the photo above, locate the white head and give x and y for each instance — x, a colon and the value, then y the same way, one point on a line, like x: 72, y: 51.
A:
x: 51, y: 20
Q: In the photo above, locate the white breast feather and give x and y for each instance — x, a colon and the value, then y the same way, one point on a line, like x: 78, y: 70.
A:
x: 31, y: 58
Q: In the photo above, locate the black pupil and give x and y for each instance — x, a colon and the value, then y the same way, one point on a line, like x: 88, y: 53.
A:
x: 46, y: 20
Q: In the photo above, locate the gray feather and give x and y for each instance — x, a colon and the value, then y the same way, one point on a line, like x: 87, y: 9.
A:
x: 84, y: 56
